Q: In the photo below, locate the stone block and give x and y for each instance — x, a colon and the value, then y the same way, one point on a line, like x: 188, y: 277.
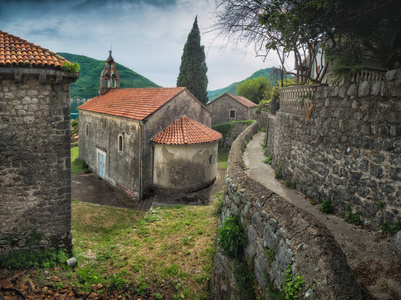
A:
x: 256, y: 220
x: 396, y: 242
x: 352, y: 90
x: 391, y: 75
x: 395, y: 174
x: 376, y: 171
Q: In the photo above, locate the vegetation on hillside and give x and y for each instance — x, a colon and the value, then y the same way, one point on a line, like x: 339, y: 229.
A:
x: 193, y: 66
x: 87, y: 85
x: 255, y: 89
x: 273, y: 74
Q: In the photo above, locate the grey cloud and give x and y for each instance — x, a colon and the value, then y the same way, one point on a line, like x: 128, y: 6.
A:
x: 53, y: 31
x: 99, y: 4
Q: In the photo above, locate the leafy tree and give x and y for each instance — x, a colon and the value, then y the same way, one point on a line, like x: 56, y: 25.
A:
x: 305, y: 27
x: 255, y: 89
x: 193, y: 66
x: 74, y: 128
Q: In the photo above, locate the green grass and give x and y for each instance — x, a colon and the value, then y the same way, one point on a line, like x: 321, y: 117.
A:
x: 166, y: 252
x: 78, y: 167
x: 222, y: 159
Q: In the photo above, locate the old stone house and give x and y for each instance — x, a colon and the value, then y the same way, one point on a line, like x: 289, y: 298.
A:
x: 230, y: 107
x: 139, y: 140
x: 35, y: 175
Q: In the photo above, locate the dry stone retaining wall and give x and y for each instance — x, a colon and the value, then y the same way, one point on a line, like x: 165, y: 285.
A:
x: 35, y: 175
x: 278, y: 235
x: 349, y: 151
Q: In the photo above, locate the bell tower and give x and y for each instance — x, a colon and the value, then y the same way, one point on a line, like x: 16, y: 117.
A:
x: 109, y: 78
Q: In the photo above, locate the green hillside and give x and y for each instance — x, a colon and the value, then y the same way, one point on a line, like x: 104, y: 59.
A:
x: 87, y: 85
x: 232, y: 88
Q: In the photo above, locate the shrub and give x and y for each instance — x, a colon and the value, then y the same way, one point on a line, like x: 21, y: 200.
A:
x: 73, y: 67
x: 278, y: 174
x: 326, y: 207
x: 393, y: 229
x: 232, y: 237
x: 244, y: 279
x: 292, y: 285
x: 351, y: 217
x: 219, y: 198
x: 290, y: 184
x: 21, y: 259
x: 268, y: 160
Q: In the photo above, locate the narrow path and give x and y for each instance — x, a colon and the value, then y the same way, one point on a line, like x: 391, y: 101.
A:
x: 375, y: 266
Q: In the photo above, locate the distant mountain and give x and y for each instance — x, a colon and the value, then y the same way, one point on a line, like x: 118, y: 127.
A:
x: 87, y: 85
x: 270, y: 73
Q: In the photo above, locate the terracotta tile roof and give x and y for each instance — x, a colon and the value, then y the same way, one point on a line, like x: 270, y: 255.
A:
x: 243, y: 100
x: 136, y: 103
x: 186, y: 131
x: 17, y: 52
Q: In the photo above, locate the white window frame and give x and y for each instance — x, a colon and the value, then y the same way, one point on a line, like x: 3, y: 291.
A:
x: 120, y: 146
x: 235, y: 114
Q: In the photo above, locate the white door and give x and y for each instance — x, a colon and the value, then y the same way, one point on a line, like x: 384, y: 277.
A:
x: 101, y: 161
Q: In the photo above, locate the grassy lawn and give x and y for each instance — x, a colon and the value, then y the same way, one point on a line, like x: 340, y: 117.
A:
x: 78, y: 167
x: 222, y: 158
x: 164, y: 254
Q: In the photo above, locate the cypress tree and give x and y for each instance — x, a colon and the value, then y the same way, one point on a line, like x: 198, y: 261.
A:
x: 193, y: 66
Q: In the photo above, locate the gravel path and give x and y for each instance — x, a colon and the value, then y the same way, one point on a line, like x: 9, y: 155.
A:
x: 375, y: 266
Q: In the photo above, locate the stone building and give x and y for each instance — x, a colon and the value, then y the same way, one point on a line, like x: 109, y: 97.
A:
x: 116, y: 130
x: 35, y: 175
x: 230, y: 107
x: 185, y: 156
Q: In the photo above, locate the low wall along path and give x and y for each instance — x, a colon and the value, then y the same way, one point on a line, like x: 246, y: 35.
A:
x: 273, y: 224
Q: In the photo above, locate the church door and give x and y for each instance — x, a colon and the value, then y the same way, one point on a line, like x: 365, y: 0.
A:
x: 101, y: 161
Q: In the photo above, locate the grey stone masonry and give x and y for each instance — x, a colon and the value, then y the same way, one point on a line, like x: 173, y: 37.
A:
x: 35, y: 176
x: 278, y: 235
x: 349, y: 151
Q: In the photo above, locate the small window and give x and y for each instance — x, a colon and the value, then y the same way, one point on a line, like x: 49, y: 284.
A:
x: 120, y: 142
x: 87, y: 129
x: 210, y: 159
x: 232, y: 113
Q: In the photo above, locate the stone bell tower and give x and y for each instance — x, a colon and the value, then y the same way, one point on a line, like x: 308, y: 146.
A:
x: 109, y: 78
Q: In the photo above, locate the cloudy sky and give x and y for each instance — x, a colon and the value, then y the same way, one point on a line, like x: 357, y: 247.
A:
x: 146, y: 36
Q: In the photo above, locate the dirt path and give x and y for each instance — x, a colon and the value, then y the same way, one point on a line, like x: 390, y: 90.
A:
x: 375, y: 266
x: 93, y: 189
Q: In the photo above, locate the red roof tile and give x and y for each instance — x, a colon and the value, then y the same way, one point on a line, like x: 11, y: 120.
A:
x: 136, y: 103
x: 17, y: 52
x: 186, y: 131
x: 243, y: 100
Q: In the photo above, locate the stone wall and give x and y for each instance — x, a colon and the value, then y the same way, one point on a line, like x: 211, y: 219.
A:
x: 35, y: 175
x: 349, y: 150
x: 278, y: 235
x: 233, y: 132
x: 184, y: 168
x: 99, y: 134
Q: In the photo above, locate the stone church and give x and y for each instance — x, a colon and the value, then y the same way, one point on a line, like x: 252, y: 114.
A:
x: 144, y: 140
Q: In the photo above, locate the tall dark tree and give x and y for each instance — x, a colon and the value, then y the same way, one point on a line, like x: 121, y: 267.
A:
x: 193, y: 66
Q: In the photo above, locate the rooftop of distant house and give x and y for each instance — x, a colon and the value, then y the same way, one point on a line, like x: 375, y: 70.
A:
x: 244, y: 101
x: 17, y: 52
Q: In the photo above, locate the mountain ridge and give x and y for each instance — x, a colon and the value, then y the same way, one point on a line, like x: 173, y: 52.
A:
x: 87, y: 85
x: 270, y: 73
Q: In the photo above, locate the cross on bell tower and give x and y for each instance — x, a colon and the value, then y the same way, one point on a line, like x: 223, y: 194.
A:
x: 109, y: 78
